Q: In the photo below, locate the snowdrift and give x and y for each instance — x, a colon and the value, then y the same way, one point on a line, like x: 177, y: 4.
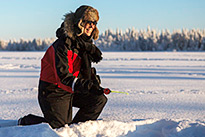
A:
x: 100, y: 128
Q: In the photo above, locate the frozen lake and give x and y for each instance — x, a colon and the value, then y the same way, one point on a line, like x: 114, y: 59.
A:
x: 161, y: 85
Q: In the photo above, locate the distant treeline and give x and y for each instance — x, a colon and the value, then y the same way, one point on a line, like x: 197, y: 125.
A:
x: 130, y: 40
x: 26, y: 45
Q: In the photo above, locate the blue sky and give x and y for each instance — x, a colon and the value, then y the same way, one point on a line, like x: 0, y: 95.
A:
x: 40, y: 18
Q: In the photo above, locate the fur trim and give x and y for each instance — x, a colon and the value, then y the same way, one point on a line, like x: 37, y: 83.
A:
x: 69, y: 27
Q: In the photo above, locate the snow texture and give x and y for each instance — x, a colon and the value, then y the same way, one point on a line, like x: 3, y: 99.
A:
x: 166, y: 96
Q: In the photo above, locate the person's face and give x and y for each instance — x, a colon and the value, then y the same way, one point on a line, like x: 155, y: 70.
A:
x: 89, y: 27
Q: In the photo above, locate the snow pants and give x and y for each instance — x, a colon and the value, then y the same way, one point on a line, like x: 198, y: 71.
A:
x: 57, y: 108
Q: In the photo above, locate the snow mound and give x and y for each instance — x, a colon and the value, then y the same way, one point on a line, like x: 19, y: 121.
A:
x: 112, y: 128
x: 138, y: 128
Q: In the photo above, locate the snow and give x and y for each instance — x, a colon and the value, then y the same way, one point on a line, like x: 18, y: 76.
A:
x: 166, y: 95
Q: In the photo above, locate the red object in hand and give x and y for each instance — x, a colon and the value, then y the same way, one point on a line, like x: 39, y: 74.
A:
x: 107, y: 91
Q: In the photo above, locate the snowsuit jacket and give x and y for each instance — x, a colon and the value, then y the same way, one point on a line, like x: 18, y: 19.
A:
x: 61, y: 67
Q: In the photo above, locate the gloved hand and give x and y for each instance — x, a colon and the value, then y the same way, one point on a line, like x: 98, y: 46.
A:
x: 98, y: 90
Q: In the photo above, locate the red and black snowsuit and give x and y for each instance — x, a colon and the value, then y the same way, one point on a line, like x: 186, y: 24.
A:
x: 66, y: 80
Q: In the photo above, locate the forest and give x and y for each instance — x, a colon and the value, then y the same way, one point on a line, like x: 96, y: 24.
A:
x: 130, y: 40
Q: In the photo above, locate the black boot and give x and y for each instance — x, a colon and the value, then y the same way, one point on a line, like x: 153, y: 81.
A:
x: 31, y: 119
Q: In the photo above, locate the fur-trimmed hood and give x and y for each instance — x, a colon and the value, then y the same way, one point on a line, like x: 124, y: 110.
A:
x: 73, y: 25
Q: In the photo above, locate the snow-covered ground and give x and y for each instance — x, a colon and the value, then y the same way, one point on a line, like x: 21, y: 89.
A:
x: 166, y: 95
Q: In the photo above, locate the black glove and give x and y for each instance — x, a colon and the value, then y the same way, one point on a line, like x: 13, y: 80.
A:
x: 97, y: 90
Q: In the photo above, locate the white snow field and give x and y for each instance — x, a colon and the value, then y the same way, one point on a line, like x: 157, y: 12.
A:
x: 166, y: 96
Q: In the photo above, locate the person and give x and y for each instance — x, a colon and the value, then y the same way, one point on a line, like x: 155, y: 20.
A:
x: 67, y: 77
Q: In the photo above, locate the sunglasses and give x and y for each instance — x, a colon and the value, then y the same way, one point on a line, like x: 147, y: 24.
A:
x: 90, y: 22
